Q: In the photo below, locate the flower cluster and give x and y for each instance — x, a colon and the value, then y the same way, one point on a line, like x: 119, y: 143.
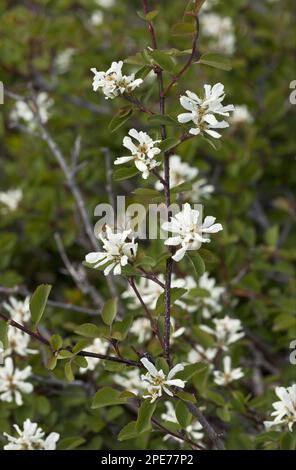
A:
x: 156, y: 381
x: 220, y: 31
x: 179, y: 172
x: 10, y: 199
x: 201, y: 111
x: 31, y: 437
x: 141, y: 328
x: 228, y: 374
x: 13, y: 382
x: 19, y: 310
x: 117, y: 251
x: 23, y: 112
x: 99, y: 346
x: 284, y: 409
x: 189, y: 230
x: 113, y: 83
x: 226, y: 332
x: 142, y: 152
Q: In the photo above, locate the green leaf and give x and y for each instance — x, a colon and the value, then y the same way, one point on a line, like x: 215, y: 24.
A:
x: 38, y: 302
x: 147, y: 192
x: 69, y: 372
x: 182, y: 413
x: 56, y: 342
x: 52, y: 362
x: 128, y: 432
x: 184, y: 29
x: 120, y: 329
x: 271, y: 235
x: 3, y: 334
x: 191, y: 369
x: 70, y: 443
x: 109, y: 311
x: 144, y: 416
x: 176, y: 293
x: 151, y: 15
x: 164, y: 60
x: 89, y: 330
x: 186, y: 396
x: 107, y: 396
x: 80, y: 361
x: 120, y: 118
x: 168, y: 143
x: 80, y: 345
x: 217, y: 61
x: 197, y: 262
x: 125, y: 173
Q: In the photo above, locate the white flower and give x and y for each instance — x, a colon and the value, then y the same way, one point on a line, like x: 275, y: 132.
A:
x: 31, y: 438
x: 189, y: 231
x: 227, y: 331
x: 131, y: 381
x: 22, y: 111
x: 99, y: 346
x: 202, y: 111
x: 141, y: 328
x: 113, y: 83
x: 97, y: 18
x: 221, y: 31
x: 105, y: 3
x: 156, y: 382
x: 12, y: 382
x: 11, y: 199
x: 18, y: 343
x: 179, y: 172
x: 211, y: 303
x: 192, y: 430
x: 284, y: 409
x: 117, y: 251
x: 19, y: 310
x: 63, y: 60
x: 240, y: 115
x: 199, y: 354
x: 142, y: 152
x: 201, y: 190
x: 227, y: 376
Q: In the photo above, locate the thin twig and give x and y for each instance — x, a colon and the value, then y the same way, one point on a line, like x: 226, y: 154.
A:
x: 151, y: 319
x: 38, y: 337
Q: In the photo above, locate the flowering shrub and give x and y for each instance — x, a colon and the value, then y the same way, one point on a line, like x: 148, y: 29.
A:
x: 175, y: 341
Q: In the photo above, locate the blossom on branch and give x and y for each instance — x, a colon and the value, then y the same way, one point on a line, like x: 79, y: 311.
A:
x: 228, y: 375
x: 117, y: 252
x: 142, y: 152
x: 113, y: 83
x: 227, y: 331
x: 99, y: 346
x: 211, y: 303
x: 10, y: 199
x: 201, y: 111
x: 180, y: 172
x: 31, y: 437
x: 13, y: 382
x: 19, y: 310
x: 156, y: 381
x: 189, y: 231
x: 284, y: 409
